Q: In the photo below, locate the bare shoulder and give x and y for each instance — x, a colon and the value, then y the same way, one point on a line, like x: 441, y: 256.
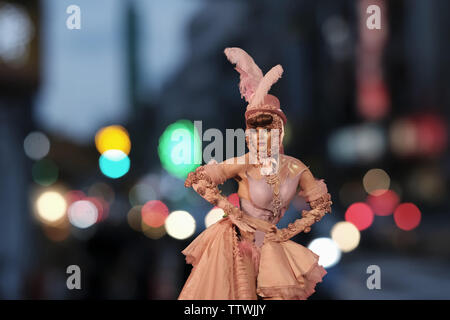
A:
x: 294, y: 165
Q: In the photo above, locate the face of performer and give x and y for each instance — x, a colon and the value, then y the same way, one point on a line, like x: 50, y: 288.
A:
x: 263, y: 131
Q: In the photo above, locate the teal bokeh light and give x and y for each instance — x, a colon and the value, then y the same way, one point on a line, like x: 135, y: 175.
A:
x: 114, y: 163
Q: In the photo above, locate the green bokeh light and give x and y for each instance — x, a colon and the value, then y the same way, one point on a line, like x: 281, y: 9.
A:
x: 179, y: 149
x: 45, y: 172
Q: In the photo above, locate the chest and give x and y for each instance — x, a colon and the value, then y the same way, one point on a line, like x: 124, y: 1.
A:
x: 262, y: 193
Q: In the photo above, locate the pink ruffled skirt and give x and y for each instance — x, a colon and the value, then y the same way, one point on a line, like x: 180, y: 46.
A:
x: 226, y: 269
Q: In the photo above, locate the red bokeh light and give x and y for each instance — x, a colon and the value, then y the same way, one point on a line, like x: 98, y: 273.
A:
x: 384, y: 203
x: 431, y: 134
x: 360, y: 214
x: 407, y: 216
x: 154, y: 213
x: 373, y: 99
x: 234, y: 199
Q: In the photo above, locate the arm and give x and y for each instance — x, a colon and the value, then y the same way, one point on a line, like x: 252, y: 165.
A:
x: 315, y: 192
x: 205, y: 180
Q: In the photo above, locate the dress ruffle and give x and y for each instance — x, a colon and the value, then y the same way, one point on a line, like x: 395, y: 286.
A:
x: 287, y: 270
x: 297, y: 292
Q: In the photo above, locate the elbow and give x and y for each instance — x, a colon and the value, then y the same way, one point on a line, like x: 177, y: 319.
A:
x: 315, y: 191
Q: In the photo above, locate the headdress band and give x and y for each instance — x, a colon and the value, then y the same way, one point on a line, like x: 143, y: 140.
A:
x: 278, y: 112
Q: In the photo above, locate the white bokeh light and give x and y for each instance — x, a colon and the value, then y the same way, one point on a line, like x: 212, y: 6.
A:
x: 180, y: 225
x: 51, y: 207
x: 82, y: 214
x: 214, y: 215
x: 327, y: 250
x: 346, y: 235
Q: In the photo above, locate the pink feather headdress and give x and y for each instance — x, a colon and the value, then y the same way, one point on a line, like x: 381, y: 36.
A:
x: 254, y: 86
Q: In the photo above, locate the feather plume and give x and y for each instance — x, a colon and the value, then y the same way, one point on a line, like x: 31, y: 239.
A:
x: 250, y: 74
x: 266, y: 83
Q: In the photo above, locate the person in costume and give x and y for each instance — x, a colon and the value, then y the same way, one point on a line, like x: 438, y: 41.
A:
x: 244, y: 255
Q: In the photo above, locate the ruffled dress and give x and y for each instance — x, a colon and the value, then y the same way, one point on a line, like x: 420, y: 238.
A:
x: 233, y: 260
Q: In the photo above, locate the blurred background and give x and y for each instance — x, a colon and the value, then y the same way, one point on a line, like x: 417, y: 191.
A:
x: 89, y: 175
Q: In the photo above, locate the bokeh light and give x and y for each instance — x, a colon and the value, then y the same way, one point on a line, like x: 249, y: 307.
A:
x: 179, y: 148
x: 214, y: 215
x: 341, y: 146
x: 51, y: 207
x: 360, y: 214
x: 45, y: 172
x: 153, y: 233
x: 327, y: 250
x: 16, y: 33
x: 427, y: 184
x: 234, y: 199
x: 370, y: 142
x: 373, y: 99
x: 424, y: 134
x: 407, y: 216
x: 154, y: 213
x: 114, y: 163
x: 363, y: 143
x: 346, y: 236
x: 101, y: 205
x: 134, y: 218
x: 432, y: 134
x: 403, y: 137
x: 36, y: 145
x: 376, y: 181
x: 113, y: 137
x: 82, y: 214
x: 140, y: 193
x: 384, y: 203
x: 180, y: 225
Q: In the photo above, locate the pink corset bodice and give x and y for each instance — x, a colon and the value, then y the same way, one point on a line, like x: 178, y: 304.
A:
x: 261, y: 195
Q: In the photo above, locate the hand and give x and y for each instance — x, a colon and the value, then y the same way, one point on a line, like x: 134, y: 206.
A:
x: 277, y: 235
x: 314, y: 214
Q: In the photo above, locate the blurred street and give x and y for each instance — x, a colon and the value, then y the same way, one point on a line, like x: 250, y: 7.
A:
x: 92, y: 93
